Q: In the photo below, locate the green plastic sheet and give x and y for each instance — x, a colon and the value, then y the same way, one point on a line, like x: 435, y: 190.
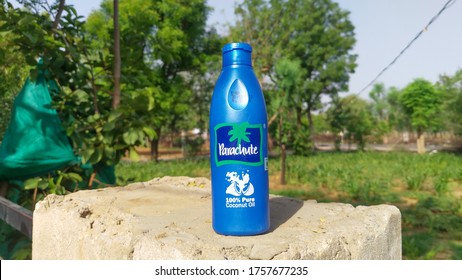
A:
x: 35, y: 142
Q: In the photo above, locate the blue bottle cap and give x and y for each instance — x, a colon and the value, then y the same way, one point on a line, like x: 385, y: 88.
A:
x: 237, y: 54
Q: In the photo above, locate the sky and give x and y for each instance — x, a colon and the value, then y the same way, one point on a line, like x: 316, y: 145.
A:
x: 383, y: 28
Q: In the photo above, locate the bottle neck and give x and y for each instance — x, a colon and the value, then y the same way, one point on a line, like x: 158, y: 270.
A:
x: 237, y: 57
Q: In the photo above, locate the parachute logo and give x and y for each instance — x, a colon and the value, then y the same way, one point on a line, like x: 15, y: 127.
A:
x: 238, y: 143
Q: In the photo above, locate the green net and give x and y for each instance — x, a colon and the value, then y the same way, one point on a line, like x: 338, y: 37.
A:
x: 34, y: 143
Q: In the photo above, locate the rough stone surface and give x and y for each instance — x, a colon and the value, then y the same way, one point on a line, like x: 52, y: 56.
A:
x: 170, y: 218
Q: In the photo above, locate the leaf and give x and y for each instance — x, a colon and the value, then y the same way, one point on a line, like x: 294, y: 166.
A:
x: 32, y: 183
x: 119, y: 146
x: 97, y: 155
x: 109, y: 151
x: 74, y: 177
x: 86, y: 155
x: 151, y: 103
x: 151, y: 133
x: 130, y: 137
x: 133, y: 154
x: 52, y: 185
x: 109, y: 126
x: 32, y: 37
x: 81, y: 95
x: 70, y: 130
x: 114, y: 115
x: 26, y: 20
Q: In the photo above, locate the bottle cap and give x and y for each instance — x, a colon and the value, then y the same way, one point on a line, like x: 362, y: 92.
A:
x: 237, y: 54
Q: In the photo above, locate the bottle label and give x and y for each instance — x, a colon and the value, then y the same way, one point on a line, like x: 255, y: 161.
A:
x: 238, y: 143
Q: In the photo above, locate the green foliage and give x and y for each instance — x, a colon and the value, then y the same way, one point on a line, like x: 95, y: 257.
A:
x: 351, y: 116
x: 61, y: 183
x: 158, y: 42
x: 397, y: 117
x: 318, y: 44
x: 12, y: 72
x: 431, y: 225
x: 202, y: 81
x: 193, y: 146
x: 163, y: 46
x: 82, y: 69
x: 380, y: 110
x: 104, y: 137
x: 83, y: 101
x: 451, y: 91
x: 437, y: 224
x: 288, y: 75
x: 421, y: 102
x: 14, y: 246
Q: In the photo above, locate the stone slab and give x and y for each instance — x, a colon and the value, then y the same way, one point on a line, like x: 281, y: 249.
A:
x: 170, y: 218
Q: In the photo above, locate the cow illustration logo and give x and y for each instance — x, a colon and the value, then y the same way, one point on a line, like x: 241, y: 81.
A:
x: 240, y: 184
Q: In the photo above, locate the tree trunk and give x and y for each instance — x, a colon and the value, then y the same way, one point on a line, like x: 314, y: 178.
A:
x: 117, y: 61
x: 282, y: 146
x: 183, y: 143
x: 311, y: 128
x: 298, y: 110
x: 420, y: 143
x: 155, y: 146
x: 4, y: 186
x: 94, y: 91
x: 155, y: 149
x: 283, y: 164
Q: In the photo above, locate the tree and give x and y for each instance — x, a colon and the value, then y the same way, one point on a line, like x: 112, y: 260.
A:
x: 315, y: 32
x: 288, y: 76
x: 161, y: 44
x: 397, y: 117
x: 421, y: 103
x: 322, y: 37
x: 351, y: 116
x: 100, y: 134
x: 451, y: 94
x: 12, y: 75
x: 380, y: 109
x: 202, y: 80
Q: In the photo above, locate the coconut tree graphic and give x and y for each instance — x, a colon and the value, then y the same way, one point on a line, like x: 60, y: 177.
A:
x: 239, y: 132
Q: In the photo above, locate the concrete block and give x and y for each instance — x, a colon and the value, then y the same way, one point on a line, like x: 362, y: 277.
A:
x: 170, y: 218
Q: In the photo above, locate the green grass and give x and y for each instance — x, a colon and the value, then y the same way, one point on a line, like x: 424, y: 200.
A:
x: 426, y: 188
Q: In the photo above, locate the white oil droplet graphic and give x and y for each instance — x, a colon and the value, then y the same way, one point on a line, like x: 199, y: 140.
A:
x: 238, y: 97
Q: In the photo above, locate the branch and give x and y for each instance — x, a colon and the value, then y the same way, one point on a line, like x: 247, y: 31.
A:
x: 58, y: 14
x: 117, y: 61
x: 273, y: 118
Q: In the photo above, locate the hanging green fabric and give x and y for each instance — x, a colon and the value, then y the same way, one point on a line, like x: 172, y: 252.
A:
x: 34, y: 143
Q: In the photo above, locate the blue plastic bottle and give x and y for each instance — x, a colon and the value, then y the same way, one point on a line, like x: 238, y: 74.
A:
x: 239, y: 147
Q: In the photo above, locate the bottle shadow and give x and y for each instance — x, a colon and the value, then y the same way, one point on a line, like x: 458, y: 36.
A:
x: 282, y: 209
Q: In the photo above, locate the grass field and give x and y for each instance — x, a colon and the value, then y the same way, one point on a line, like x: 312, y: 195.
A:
x: 426, y: 188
